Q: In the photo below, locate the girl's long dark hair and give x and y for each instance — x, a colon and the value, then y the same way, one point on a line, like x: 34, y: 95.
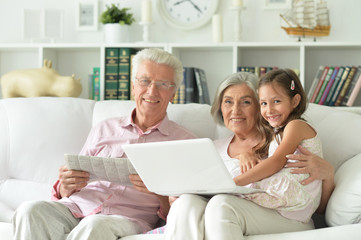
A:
x: 291, y: 84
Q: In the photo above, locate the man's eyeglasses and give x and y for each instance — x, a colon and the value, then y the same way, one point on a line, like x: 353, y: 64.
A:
x: 161, y: 85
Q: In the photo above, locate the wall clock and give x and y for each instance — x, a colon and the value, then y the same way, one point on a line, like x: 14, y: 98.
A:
x: 187, y: 14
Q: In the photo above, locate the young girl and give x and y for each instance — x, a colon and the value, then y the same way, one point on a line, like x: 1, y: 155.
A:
x: 283, y: 101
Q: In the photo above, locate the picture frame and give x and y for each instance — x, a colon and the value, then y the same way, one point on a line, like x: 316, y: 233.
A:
x: 43, y: 24
x: 32, y: 24
x: 277, y: 4
x: 87, y: 15
x: 53, y: 23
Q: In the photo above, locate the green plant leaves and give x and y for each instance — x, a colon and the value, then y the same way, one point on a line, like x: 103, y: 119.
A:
x: 115, y: 15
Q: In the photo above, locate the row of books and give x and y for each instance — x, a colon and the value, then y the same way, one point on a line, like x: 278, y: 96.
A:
x: 194, y: 87
x: 335, y: 85
x: 260, y: 71
x: 94, y: 84
x: 117, y: 73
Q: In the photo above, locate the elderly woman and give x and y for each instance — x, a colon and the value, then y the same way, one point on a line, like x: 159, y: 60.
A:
x: 227, y: 216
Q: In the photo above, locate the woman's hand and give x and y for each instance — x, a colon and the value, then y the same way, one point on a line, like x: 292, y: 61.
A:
x: 71, y: 181
x: 318, y: 168
x: 247, y: 161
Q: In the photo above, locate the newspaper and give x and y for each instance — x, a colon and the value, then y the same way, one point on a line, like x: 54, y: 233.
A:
x: 102, y: 168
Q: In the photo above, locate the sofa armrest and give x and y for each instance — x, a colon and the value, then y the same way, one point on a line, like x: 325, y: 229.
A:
x: 344, y: 206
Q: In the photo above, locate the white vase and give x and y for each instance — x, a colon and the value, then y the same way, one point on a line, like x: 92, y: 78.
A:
x: 116, y: 33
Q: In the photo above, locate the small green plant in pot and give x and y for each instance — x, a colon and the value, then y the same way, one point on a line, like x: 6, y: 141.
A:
x: 115, y: 15
x: 116, y: 23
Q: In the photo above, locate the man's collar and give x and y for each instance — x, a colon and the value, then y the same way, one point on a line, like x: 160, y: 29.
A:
x: 162, y: 126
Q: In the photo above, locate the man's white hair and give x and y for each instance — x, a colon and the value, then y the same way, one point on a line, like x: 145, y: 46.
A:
x: 158, y: 56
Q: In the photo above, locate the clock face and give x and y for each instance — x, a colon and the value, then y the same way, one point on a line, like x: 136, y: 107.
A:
x: 187, y: 14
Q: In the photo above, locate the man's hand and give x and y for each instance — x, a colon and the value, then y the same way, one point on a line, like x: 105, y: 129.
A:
x: 71, y: 181
x: 318, y: 168
x: 247, y: 161
x: 172, y: 200
x: 140, y: 186
x: 138, y: 183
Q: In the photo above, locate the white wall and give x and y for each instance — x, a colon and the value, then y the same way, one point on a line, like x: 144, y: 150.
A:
x: 258, y: 24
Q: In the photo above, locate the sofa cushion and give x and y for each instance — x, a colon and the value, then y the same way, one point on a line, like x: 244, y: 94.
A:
x: 6, y: 231
x: 35, y: 134
x: 15, y: 191
x: 340, y: 133
x: 195, y: 117
x: 334, y: 127
x: 349, y: 232
x: 111, y: 108
x: 44, y: 129
x: 344, y: 206
x: 4, y: 141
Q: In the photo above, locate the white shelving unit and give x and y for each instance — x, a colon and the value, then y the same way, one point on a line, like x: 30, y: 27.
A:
x: 218, y: 60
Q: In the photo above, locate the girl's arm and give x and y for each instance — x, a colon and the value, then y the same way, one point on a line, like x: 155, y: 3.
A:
x: 293, y: 134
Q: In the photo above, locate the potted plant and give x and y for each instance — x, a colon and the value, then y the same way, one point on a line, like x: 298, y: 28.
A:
x: 116, y: 23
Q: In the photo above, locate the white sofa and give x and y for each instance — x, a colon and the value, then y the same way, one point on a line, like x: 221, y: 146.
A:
x: 36, y: 132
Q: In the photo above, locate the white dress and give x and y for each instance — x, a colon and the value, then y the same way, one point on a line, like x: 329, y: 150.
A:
x: 283, y: 190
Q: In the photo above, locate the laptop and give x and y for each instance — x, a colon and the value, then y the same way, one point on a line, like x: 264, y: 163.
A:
x: 172, y: 168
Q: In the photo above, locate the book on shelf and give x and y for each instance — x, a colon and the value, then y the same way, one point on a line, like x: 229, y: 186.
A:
x: 351, y: 87
x: 329, y: 85
x: 324, y: 84
x: 193, y: 88
x: 181, y: 98
x: 319, y: 84
x: 270, y: 69
x: 334, y: 85
x: 339, y: 86
x: 248, y: 69
x: 124, y: 73
x: 315, y: 81
x: 176, y: 97
x: 260, y: 71
x: 355, y: 90
x: 180, y: 95
x: 96, y: 83
x: 345, y: 86
x: 131, y: 77
x: 191, y: 96
x: 202, y: 86
x: 256, y: 71
x: 111, y: 73
x: 90, y: 86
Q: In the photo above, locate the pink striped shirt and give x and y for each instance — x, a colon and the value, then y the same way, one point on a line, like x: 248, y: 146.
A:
x: 106, y: 139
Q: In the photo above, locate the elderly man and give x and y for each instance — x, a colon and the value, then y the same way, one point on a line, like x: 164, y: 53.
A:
x: 101, y: 209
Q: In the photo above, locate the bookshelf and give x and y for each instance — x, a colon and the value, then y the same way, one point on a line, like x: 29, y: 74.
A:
x: 218, y: 60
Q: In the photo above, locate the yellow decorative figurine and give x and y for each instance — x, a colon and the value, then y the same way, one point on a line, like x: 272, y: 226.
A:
x: 38, y: 82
